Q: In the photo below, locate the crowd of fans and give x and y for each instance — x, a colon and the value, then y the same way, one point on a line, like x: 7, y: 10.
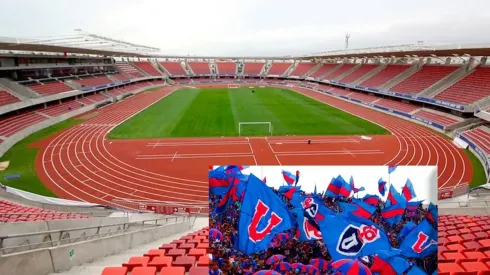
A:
x: 227, y: 260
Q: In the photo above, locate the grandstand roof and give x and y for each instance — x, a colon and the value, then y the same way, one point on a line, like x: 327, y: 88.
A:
x: 410, y: 50
x: 79, y: 43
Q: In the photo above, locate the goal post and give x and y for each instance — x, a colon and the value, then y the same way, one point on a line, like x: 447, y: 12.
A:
x: 255, y: 128
x: 233, y: 86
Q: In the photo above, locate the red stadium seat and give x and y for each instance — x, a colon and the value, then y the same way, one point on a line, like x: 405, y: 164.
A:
x: 136, y: 262
x: 149, y: 270
x: 185, y: 261
x: 173, y: 270
x: 115, y: 271
x: 160, y: 262
x: 199, y: 271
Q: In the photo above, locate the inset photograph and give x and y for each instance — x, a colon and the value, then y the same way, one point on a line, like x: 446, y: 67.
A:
x: 323, y: 220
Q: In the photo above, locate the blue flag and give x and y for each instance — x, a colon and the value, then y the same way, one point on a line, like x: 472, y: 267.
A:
x: 309, y: 211
x: 391, y: 168
x: 408, y: 190
x: 262, y: 215
x: 391, y: 258
x: 415, y: 270
x: 432, y: 213
x: 238, y: 183
x: 382, y: 187
x: 218, y: 181
x: 407, y: 228
x: 352, y: 238
x: 394, y: 213
x: 420, y: 242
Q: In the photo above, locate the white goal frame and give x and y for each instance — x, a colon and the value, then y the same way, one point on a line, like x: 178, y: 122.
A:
x: 253, y: 123
x: 234, y: 86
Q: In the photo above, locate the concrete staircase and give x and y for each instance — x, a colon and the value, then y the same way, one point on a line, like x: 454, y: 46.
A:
x: 370, y: 74
x: 312, y: 71
x: 266, y: 68
x: 291, y: 68
x: 415, y: 67
x: 16, y: 88
x: 187, y: 68
x: 348, y: 72
x: 331, y: 71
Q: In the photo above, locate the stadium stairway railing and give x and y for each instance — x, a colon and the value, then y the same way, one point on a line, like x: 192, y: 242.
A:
x: 65, y: 253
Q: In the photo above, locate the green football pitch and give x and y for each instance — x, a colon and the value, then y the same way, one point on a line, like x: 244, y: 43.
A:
x: 217, y: 112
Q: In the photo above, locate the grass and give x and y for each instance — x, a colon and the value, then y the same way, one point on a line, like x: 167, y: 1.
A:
x: 217, y: 112
x: 479, y: 177
x: 23, y: 159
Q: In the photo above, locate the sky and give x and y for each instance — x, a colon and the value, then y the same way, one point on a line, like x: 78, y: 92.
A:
x: 424, y: 178
x: 253, y: 27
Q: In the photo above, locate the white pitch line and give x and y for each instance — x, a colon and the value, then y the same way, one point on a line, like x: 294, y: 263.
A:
x: 196, y: 144
x: 330, y: 154
x: 329, y: 151
x: 174, y: 156
x: 156, y: 144
x: 350, y: 153
x: 252, y: 150
x: 206, y: 154
x: 193, y: 157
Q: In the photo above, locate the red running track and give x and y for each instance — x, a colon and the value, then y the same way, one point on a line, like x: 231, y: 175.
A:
x: 80, y: 164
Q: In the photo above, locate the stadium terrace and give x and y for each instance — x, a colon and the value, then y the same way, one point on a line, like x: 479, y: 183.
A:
x: 110, y: 139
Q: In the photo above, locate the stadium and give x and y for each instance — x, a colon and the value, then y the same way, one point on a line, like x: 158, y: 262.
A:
x: 105, y: 144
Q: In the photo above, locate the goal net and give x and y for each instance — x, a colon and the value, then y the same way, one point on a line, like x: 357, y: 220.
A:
x: 233, y: 86
x: 255, y: 129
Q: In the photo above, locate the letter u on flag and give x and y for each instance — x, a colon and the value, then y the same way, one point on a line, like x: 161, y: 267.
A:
x: 262, y: 215
x: 420, y: 242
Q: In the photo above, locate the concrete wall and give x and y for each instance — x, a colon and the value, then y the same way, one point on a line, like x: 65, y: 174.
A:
x: 56, y: 259
x: 32, y: 227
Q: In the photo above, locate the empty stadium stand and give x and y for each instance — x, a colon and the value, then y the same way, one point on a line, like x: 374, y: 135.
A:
x: 423, y: 78
x: 148, y: 68
x: 173, y: 68
x: 385, y: 75
x: 397, y: 105
x: 364, y: 97
x: 187, y: 255
x: 340, y: 91
x: 364, y: 69
x: 278, y: 68
x: 10, y: 124
x: 481, y: 137
x: 441, y: 118
x: 253, y: 68
x: 470, y: 89
x: 13, y: 212
x: 6, y: 98
x: 128, y: 69
x: 50, y: 88
x: 302, y: 68
x: 463, y: 245
x: 226, y: 67
x: 200, y: 67
x: 345, y: 67
x: 120, y: 77
x: 323, y: 70
x: 94, y: 81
